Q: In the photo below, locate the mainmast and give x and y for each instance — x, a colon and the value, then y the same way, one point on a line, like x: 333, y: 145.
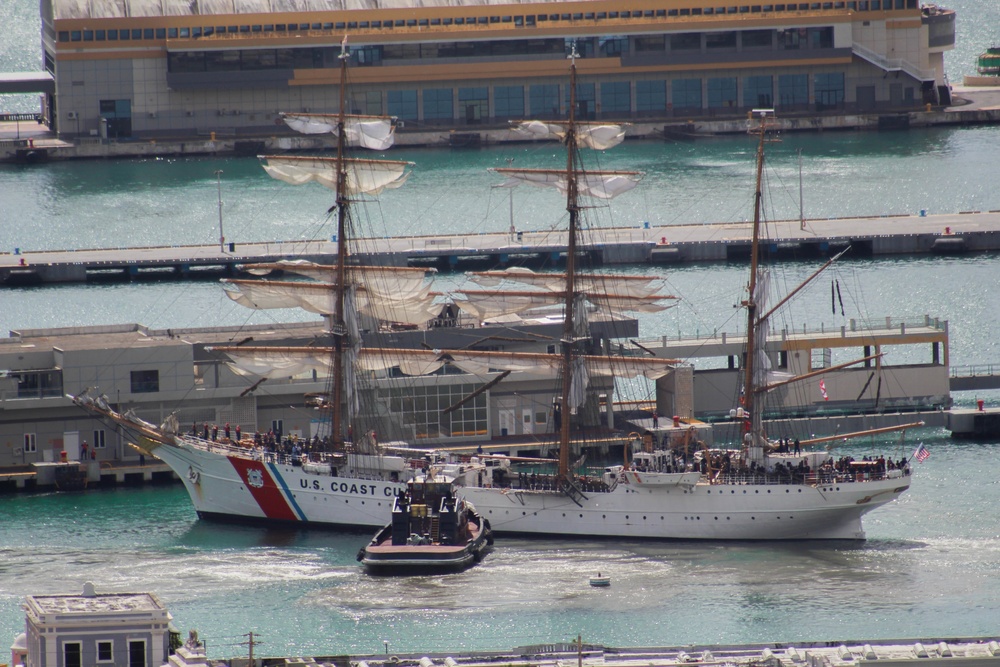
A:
x: 752, y: 437
x: 569, y: 333
x: 339, y: 327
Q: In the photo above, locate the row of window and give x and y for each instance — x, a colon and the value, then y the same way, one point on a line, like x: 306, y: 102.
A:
x: 73, y: 653
x: 616, y: 98
x: 249, y: 60
x: 49, y: 383
x: 530, y: 20
x: 422, y: 410
x: 31, y: 441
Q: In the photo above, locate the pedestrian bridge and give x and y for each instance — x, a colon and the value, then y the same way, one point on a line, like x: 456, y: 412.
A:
x: 975, y: 377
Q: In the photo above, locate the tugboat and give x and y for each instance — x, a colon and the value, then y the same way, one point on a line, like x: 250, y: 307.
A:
x: 432, y: 531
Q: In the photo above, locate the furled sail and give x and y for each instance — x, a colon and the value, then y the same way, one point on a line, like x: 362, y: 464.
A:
x: 368, y: 177
x: 491, y: 305
x: 599, y: 184
x: 373, y: 132
x: 599, y: 136
x: 328, y: 272
x: 636, y: 286
x: 408, y: 302
x: 282, y: 361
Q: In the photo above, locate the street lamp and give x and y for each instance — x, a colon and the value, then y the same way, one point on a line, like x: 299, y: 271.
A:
x: 222, y: 238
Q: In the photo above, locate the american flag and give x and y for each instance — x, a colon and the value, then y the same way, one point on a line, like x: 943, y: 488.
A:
x: 822, y: 390
x: 921, y: 454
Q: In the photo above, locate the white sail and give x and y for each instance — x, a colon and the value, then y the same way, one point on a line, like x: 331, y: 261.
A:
x: 407, y: 302
x: 363, y: 176
x: 599, y: 136
x: 328, y: 272
x: 635, y: 286
x: 372, y: 132
x: 492, y: 305
x: 599, y: 185
x: 280, y: 362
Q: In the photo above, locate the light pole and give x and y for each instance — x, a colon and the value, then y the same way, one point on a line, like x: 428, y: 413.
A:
x: 802, y: 214
x: 513, y: 230
x: 222, y: 238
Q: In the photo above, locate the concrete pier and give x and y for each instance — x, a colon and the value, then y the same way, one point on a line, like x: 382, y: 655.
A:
x: 914, y: 234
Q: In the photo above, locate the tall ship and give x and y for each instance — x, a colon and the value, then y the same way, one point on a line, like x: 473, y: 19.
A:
x: 762, y: 488
x: 673, y: 485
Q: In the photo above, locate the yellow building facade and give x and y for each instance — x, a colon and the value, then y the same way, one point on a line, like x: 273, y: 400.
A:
x: 134, y: 68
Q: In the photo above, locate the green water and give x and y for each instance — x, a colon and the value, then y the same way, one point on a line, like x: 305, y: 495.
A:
x: 927, y: 570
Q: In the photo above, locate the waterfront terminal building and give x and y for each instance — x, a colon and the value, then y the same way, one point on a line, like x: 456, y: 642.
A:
x: 162, y: 68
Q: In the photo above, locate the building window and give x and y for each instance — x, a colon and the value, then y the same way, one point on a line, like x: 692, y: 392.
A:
x: 648, y: 43
x: 277, y: 427
x: 756, y: 39
x: 473, y: 104
x: 438, y: 104
x: 72, y: 654
x: 613, y: 46
x: 686, y: 94
x: 508, y: 101
x: 98, y: 443
x: 544, y: 101
x: 793, y: 90
x: 420, y: 410
x: 402, y: 104
x: 686, y: 41
x: 104, y: 648
x: 829, y: 90
x: 650, y: 96
x: 722, y: 92
x: 820, y: 38
x: 616, y: 98
x: 38, y: 384
x: 30, y: 443
x: 586, y: 98
x: 145, y: 382
x: 758, y: 91
x: 720, y: 40
x: 136, y: 653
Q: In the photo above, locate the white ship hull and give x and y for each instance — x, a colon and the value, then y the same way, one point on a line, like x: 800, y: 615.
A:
x: 226, y: 486
x: 232, y: 487
x: 705, y: 511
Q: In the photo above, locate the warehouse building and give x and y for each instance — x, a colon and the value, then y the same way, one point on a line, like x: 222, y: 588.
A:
x: 142, y: 68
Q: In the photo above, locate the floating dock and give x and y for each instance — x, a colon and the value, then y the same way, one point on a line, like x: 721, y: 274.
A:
x: 918, y: 234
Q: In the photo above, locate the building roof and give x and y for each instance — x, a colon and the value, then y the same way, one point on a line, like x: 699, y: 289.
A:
x: 90, y: 602
x: 83, y: 9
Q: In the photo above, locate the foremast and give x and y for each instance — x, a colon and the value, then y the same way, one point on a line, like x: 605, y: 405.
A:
x: 347, y: 177
x: 569, y: 334
x: 753, y: 438
x: 338, y: 325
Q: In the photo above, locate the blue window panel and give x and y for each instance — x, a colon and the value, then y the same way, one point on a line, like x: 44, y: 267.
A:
x: 686, y: 93
x: 508, y: 101
x: 402, y: 104
x: 758, y: 92
x: 616, y: 97
x: 793, y: 90
x: 722, y: 92
x: 438, y: 104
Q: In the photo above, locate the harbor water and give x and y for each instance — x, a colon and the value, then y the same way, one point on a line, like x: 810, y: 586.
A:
x: 927, y: 569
